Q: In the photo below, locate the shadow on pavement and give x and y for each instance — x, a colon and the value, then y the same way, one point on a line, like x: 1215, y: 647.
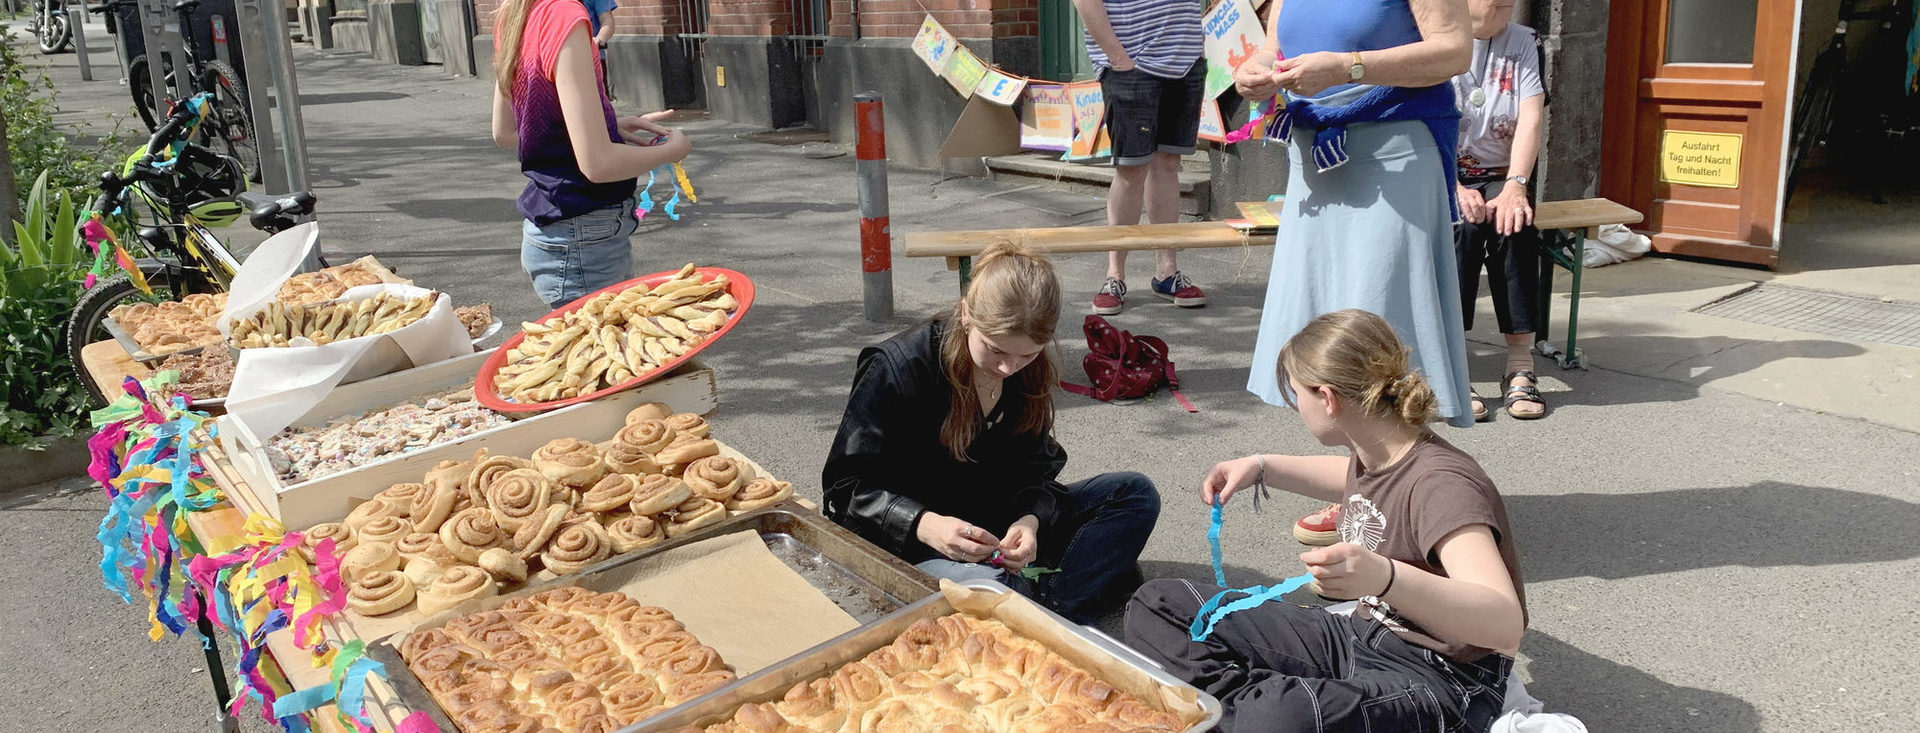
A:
x: 1768, y: 524
x: 308, y: 100
x: 1607, y: 695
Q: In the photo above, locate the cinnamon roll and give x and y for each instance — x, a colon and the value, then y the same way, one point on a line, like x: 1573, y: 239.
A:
x: 649, y: 411
x: 367, y: 558
x: 687, y: 423
x: 638, y: 612
x: 532, y: 536
x: 402, y: 494
x: 658, y: 493
x: 431, y: 506
x: 687, y: 688
x: 370, y: 510
x: 379, y: 592
x: 634, y: 532
x: 650, y: 436
x: 576, y: 547
x: 517, y: 496
x: 477, y: 623
x: 613, y: 491
x: 632, y: 700
x: 389, y: 530
x: 453, y: 475
x: 686, y: 449
x: 760, y: 492
x: 600, y: 607
x: 503, y: 564
x: 694, y: 515
x: 471, y: 532
x: 487, y: 467
x: 716, y: 477
x: 638, y: 633
x: 622, y: 458
x: 341, y: 534
x: 561, y: 598
x: 594, y: 645
x: 691, y: 661
x: 456, y: 586
x: 419, y: 642
x: 570, y: 461
x: 653, y: 655
x: 424, y: 544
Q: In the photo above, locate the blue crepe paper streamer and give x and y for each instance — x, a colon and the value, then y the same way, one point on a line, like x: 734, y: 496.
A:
x: 1212, y: 613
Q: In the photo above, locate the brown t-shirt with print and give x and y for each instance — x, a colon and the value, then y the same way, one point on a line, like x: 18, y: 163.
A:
x: 1404, y: 510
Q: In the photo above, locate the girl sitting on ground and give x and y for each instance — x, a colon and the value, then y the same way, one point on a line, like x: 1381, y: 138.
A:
x: 946, y: 455
x: 1425, y: 548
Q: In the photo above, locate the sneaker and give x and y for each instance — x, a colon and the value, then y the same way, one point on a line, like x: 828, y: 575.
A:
x: 1180, y: 290
x: 1320, y: 528
x: 1111, y: 298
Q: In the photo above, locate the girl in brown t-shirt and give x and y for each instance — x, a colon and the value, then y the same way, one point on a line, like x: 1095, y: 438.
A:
x: 1426, y: 548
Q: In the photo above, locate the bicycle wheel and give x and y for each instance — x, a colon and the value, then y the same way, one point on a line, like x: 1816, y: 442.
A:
x: 85, y: 325
x: 141, y: 85
x: 228, y: 124
x: 1811, y: 119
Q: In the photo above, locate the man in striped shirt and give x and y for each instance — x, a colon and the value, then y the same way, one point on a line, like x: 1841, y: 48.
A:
x: 1148, y: 56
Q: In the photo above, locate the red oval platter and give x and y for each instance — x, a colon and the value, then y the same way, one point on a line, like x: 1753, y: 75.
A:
x: 738, y: 285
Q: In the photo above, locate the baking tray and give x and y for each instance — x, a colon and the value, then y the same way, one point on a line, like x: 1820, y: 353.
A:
x: 867, y: 582
x: 138, y: 352
x: 773, y: 682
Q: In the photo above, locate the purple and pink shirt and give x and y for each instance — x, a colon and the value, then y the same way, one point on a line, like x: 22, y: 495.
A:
x: 556, y: 189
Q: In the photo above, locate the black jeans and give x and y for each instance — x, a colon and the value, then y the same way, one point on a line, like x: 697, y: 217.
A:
x: 1279, y: 667
x: 1148, y: 114
x: 1512, y: 264
x: 1094, y: 542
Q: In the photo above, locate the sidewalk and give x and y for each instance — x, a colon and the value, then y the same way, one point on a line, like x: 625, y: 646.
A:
x: 1704, y: 510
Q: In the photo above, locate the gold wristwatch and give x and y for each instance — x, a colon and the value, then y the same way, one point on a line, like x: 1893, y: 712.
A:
x: 1358, y: 70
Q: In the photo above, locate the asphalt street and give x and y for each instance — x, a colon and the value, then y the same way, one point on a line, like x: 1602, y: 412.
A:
x: 1695, y: 559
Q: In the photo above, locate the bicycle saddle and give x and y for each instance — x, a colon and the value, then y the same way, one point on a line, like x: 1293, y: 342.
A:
x: 267, y: 207
x: 186, y: 6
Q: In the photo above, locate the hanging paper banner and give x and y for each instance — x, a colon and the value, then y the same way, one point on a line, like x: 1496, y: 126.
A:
x: 1000, y: 88
x: 1212, y: 127
x: 934, y: 45
x: 1046, y: 117
x: 1089, y: 122
x: 963, y: 71
x: 1232, y: 35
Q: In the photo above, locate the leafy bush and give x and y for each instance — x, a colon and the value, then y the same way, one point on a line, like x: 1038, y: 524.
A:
x: 37, y: 145
x: 40, y: 394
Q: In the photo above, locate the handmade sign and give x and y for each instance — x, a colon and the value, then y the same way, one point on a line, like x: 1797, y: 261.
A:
x: 1046, y: 117
x: 1090, y: 139
x: 934, y: 45
x: 1000, y: 87
x: 963, y: 70
x: 1232, y: 34
x: 985, y: 129
x: 1212, y: 127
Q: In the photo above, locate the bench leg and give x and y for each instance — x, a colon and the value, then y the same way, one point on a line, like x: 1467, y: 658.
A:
x: 1543, y: 330
x: 966, y: 273
x: 1574, y: 356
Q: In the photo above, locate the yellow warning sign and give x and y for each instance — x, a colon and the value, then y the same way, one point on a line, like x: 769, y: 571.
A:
x: 1700, y: 159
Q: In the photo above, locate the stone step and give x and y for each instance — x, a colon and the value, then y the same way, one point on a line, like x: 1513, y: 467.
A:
x: 1196, y: 185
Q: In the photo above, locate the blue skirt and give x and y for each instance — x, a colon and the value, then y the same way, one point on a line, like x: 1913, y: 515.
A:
x: 1374, y: 234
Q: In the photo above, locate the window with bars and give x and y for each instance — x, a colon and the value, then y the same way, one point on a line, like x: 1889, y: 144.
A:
x: 809, y: 19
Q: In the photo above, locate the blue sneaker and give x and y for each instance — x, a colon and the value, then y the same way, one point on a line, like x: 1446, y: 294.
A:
x: 1180, y: 290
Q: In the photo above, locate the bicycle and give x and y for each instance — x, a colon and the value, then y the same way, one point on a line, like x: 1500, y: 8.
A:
x: 1813, y: 113
x: 50, y: 27
x: 186, y: 187
x: 232, y: 121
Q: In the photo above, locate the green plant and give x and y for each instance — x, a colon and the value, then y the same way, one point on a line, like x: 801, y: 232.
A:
x: 35, y: 142
x: 40, y: 395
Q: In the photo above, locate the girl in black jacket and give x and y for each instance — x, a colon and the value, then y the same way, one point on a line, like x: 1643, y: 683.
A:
x: 946, y: 454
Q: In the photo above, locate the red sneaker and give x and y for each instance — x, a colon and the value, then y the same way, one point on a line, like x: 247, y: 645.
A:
x: 1111, y: 298
x: 1180, y: 290
x: 1320, y: 528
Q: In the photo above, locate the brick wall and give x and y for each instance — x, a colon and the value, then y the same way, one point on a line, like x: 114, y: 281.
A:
x: 749, y: 17
x: 646, y: 17
x: 965, y: 19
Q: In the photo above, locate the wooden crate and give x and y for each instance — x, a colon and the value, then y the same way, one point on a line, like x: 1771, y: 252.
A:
x: 328, y: 498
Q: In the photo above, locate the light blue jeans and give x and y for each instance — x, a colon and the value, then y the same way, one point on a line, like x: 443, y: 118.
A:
x: 572, y: 257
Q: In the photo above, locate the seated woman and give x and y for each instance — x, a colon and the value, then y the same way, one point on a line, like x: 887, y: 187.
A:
x: 946, y: 455
x: 1426, y: 548
x: 1502, y: 109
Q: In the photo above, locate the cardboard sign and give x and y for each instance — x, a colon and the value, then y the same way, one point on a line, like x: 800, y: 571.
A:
x: 963, y: 71
x: 934, y: 45
x: 985, y: 129
x: 1212, y: 126
x: 1709, y: 159
x: 1090, y: 138
x: 1046, y: 117
x: 1232, y: 34
x: 1000, y: 88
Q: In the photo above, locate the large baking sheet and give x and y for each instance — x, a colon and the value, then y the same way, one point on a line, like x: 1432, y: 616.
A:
x: 1090, y: 649
x: 860, y: 579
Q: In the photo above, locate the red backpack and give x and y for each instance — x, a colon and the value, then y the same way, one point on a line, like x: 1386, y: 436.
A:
x: 1123, y: 366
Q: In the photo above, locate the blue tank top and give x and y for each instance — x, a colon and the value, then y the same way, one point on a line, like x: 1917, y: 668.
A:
x: 1340, y: 26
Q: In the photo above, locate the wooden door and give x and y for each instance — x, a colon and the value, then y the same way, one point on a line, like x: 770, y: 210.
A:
x: 1696, y: 111
x: 1063, y: 49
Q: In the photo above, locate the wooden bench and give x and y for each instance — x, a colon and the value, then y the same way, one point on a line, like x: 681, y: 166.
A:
x: 1565, y: 227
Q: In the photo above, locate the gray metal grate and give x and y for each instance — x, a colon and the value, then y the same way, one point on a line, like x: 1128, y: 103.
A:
x: 1814, y: 311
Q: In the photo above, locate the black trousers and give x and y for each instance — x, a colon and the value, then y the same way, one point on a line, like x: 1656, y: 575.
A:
x: 1279, y: 667
x: 1512, y: 264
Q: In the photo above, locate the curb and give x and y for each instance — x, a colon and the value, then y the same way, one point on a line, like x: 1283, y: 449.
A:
x: 62, y: 458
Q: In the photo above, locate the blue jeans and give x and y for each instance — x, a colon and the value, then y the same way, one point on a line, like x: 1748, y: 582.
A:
x: 572, y: 257
x: 1094, y: 541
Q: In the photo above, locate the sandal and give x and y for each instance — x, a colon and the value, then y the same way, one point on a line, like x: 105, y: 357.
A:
x: 1518, y: 393
x: 1480, y: 411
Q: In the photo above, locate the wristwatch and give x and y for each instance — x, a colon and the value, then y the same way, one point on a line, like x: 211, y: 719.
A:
x: 1357, y: 70
x: 1522, y: 180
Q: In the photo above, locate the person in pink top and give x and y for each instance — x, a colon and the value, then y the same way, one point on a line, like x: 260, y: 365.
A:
x: 581, y: 161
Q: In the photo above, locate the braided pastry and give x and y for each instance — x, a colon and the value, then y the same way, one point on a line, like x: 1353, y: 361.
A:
x: 379, y: 593
x: 695, y: 514
x: 716, y: 477
x: 611, y: 492
x: 533, y: 535
x: 758, y: 493
x: 649, y: 411
x: 517, y: 496
x: 471, y: 532
x: 369, y: 557
x: 384, y: 529
x: 659, y: 493
x: 574, y: 548
x: 633, y: 532
x: 570, y: 461
x: 456, y: 586
x: 687, y: 423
